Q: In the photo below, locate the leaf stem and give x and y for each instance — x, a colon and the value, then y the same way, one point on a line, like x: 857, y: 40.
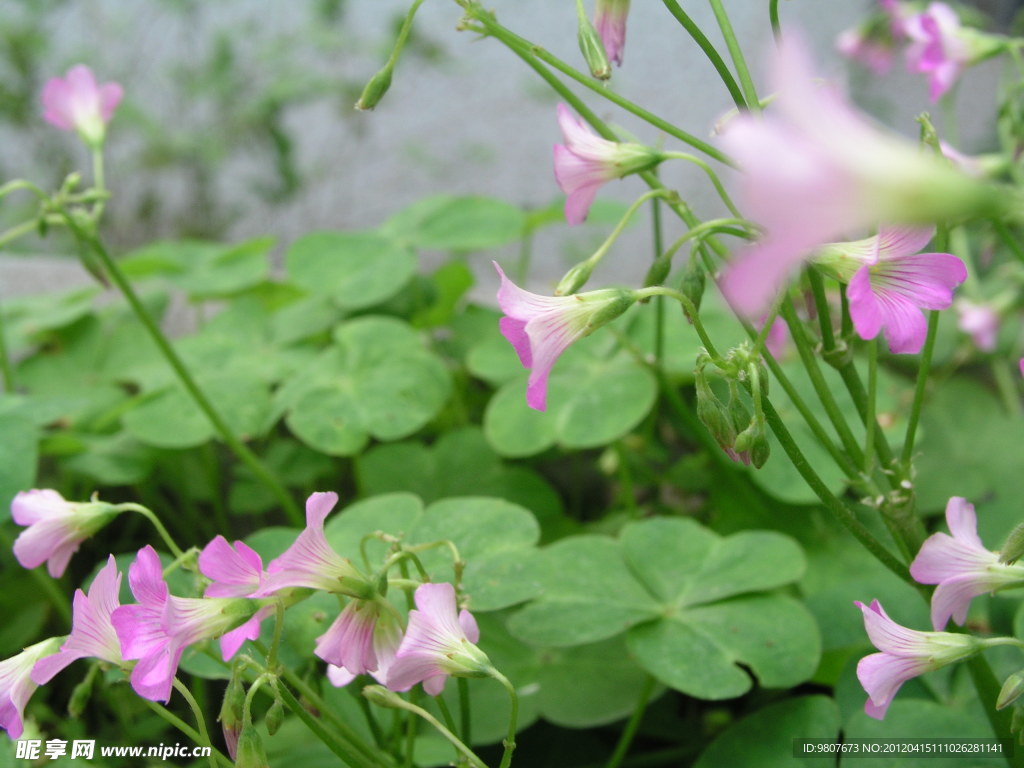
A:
x: 746, y: 82
x: 709, y: 50
x: 629, y: 731
x: 919, y: 390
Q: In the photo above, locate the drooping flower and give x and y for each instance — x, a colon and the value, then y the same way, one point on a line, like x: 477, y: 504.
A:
x: 891, y: 283
x: 17, y: 686
x: 310, y: 561
x: 938, y: 48
x: 610, y: 21
x: 363, y: 639
x: 438, y: 642
x: 979, y: 321
x: 161, y: 626
x: 76, y: 103
x: 92, y: 632
x: 540, y: 328
x: 960, y: 565
x: 56, y: 527
x: 905, y: 654
x: 587, y: 161
x: 815, y: 169
x: 237, y: 571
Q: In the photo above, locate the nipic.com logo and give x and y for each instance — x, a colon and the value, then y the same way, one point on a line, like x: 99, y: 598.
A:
x: 36, y: 749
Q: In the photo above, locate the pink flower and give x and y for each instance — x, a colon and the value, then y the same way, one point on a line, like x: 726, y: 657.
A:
x: 56, y: 528
x: 236, y: 571
x: 587, y: 161
x: 610, y: 21
x: 77, y: 103
x: 938, y: 48
x: 310, y: 561
x: 437, y: 643
x: 980, y: 321
x: 814, y: 169
x: 540, y: 328
x: 159, y: 629
x: 364, y: 638
x: 92, y: 633
x: 17, y: 686
x: 896, y: 283
x: 961, y: 566
x: 856, y: 44
x: 905, y: 653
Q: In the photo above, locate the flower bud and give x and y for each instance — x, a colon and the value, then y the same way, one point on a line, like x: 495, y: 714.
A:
x: 382, y: 697
x: 613, y: 307
x: 80, y: 696
x: 574, y: 279
x: 1012, y: 689
x: 274, y: 718
x: 693, y: 283
x: 658, y: 271
x: 593, y: 49
x: 250, y: 749
x: 1013, y: 549
x: 375, y: 89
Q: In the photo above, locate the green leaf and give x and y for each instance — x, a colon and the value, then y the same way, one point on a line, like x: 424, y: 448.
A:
x: 589, y: 595
x: 699, y: 650
x: 356, y: 269
x: 203, y: 269
x: 18, y: 457
x: 116, y: 459
x: 446, y: 223
x: 765, y: 738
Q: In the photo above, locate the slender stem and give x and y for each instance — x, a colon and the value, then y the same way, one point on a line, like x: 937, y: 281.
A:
x: 530, y: 52
x: 130, y: 506
x: 1008, y: 239
x: 188, y: 730
x: 709, y: 50
x: 855, y: 387
x: 715, y: 181
x: 821, y: 387
x: 186, y: 378
x: 510, y: 741
x: 465, y: 713
x: 773, y: 17
x: 403, y: 33
x: 1007, y: 386
x: 869, y: 419
x: 6, y: 369
x: 204, y: 736
x: 451, y: 737
x: 659, y: 303
x: 329, y: 740
x: 626, y: 738
x: 746, y: 82
x: 988, y: 686
x: 828, y: 339
x: 17, y: 231
x: 919, y: 389
x: 691, y: 311
x: 834, y: 505
x: 623, y: 222
x: 446, y: 713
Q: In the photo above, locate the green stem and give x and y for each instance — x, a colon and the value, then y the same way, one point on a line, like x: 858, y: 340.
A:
x: 746, y: 82
x: 510, y: 741
x: 691, y: 311
x: 919, y: 390
x: 855, y: 387
x: 821, y: 387
x: 869, y: 419
x: 447, y: 734
x: 188, y: 730
x: 17, y: 231
x: 186, y: 378
x: 659, y: 303
x: 6, y: 369
x: 626, y: 739
x: 403, y: 33
x: 465, y: 713
x: 531, y: 53
x: 712, y: 176
x: 204, y: 736
x: 988, y: 687
x: 834, y: 505
x: 130, y: 506
x: 623, y: 222
x: 828, y: 339
x: 332, y: 742
x: 58, y: 598
x: 1007, y: 386
x: 709, y: 50
x: 773, y: 17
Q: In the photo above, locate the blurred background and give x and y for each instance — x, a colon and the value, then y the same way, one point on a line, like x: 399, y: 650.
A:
x: 238, y: 122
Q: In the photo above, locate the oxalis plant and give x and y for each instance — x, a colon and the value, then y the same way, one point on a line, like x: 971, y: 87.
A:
x: 685, y: 513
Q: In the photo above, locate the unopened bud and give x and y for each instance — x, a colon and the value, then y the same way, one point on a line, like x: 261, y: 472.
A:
x: 614, y: 306
x: 658, y: 271
x: 1012, y: 689
x: 574, y: 279
x: 382, y: 697
x: 375, y: 89
x: 274, y: 718
x: 80, y: 696
x: 693, y: 283
x: 1013, y: 549
x: 593, y: 50
x: 250, y: 749
x: 760, y: 448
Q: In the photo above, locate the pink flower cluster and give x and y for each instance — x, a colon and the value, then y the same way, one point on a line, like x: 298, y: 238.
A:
x: 155, y: 631
x: 961, y: 568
